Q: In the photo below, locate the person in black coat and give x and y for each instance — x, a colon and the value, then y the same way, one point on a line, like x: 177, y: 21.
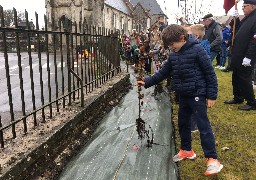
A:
x: 244, y: 58
x: 194, y: 79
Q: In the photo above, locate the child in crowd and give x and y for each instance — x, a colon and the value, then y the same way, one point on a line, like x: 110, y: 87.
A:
x: 224, y: 45
x: 135, y: 54
x: 194, y: 79
x: 198, y: 31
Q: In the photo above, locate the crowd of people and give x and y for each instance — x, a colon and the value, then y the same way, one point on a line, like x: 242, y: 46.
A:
x: 145, y: 47
x: 184, y: 54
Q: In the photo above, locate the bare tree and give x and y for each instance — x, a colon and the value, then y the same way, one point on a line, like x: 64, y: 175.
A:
x: 9, y: 17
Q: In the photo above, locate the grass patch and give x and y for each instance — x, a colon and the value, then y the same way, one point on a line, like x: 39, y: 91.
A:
x: 232, y: 128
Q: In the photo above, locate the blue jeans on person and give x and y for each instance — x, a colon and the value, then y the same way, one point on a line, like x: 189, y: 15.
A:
x: 197, y: 107
x: 213, y: 55
x: 223, y: 56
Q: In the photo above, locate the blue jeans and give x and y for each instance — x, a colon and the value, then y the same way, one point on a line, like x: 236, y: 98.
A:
x: 223, y: 56
x: 196, y: 106
x: 213, y: 55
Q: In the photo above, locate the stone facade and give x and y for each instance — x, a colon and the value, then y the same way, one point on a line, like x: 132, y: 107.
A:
x: 141, y: 18
x: 70, y: 12
x: 117, y: 20
x: 75, y: 11
x: 147, y: 13
x: 118, y: 15
x: 122, y: 15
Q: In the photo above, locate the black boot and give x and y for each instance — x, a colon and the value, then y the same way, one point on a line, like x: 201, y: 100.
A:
x: 250, y: 105
x: 247, y: 107
x: 234, y: 101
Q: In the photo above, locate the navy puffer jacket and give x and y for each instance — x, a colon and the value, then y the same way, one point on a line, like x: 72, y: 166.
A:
x: 191, y: 72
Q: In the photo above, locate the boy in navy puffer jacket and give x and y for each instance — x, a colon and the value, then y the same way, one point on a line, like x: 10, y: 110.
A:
x: 194, y: 79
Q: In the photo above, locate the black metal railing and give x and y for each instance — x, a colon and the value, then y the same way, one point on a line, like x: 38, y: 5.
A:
x: 53, y: 67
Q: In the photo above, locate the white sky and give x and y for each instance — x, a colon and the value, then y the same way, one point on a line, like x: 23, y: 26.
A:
x: 171, y: 7
x: 31, y: 6
x: 216, y: 9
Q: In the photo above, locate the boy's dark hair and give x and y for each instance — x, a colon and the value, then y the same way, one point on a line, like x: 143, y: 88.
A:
x: 173, y: 33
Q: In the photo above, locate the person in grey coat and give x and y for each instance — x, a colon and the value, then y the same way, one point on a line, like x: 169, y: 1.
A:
x: 213, y: 34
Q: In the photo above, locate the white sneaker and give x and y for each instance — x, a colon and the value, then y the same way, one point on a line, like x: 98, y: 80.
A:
x: 213, y: 167
x: 221, y: 67
x: 217, y: 67
x: 193, y: 131
x: 184, y: 155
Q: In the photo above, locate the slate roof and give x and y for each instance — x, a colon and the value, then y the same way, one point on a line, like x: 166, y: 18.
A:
x: 119, y: 5
x: 151, y: 5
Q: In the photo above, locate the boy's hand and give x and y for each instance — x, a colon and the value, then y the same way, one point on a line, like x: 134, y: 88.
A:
x: 140, y: 83
x: 210, y: 103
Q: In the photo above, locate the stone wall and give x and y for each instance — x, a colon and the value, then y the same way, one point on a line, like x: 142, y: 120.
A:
x: 75, y: 131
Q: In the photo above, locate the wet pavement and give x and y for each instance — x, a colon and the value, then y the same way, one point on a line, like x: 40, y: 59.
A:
x: 15, y: 80
x: 111, y: 153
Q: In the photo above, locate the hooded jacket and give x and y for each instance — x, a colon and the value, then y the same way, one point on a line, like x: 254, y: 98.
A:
x: 226, y: 37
